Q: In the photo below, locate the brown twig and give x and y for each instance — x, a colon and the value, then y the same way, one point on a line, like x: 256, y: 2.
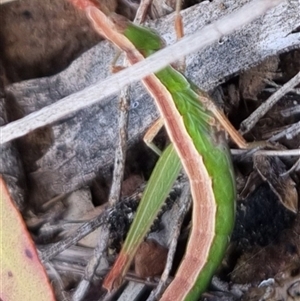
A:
x: 249, y: 123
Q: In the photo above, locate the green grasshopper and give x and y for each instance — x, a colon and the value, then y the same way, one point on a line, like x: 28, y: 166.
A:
x: 203, y: 154
x: 198, y: 144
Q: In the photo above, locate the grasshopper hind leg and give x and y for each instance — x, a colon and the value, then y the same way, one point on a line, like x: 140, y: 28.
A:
x: 151, y: 133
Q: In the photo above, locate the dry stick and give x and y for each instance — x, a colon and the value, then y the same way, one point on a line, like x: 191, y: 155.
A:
x: 295, y: 167
x: 279, y: 153
x: 92, y: 265
x: 120, y: 154
x: 124, y: 104
x: 291, y: 111
x: 185, y: 202
x: 142, y: 11
x: 81, y: 232
x: 289, y: 132
x: 149, y: 282
x: 46, y: 206
x: 57, y: 282
x: 249, y: 123
x: 273, y: 84
x: 203, y: 38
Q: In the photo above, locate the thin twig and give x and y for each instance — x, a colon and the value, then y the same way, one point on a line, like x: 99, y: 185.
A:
x: 290, y: 111
x: 276, y: 86
x: 289, y: 132
x: 124, y: 104
x: 142, y: 11
x: 61, y: 293
x: 46, y: 206
x: 249, y: 123
x: 121, y: 148
x: 92, y: 265
x: 279, y: 153
x: 203, y: 38
x: 81, y: 232
x: 295, y: 166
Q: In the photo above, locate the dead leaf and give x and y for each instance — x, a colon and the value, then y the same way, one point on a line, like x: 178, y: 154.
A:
x: 23, y: 276
x: 271, y: 170
x: 150, y: 259
x: 252, y: 81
